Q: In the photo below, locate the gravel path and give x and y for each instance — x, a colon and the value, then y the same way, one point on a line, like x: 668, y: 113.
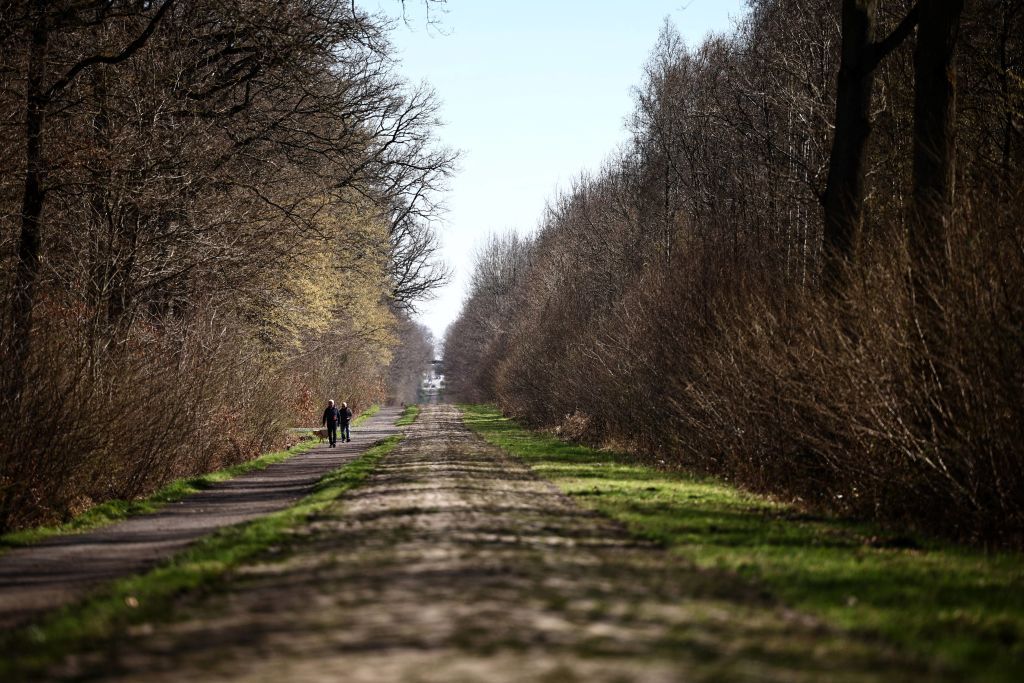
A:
x: 63, y: 569
x: 454, y: 562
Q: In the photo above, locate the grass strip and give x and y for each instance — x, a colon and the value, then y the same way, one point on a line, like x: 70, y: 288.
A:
x: 117, y: 510
x: 28, y: 651
x: 949, y: 604
x: 408, y: 415
x: 365, y: 415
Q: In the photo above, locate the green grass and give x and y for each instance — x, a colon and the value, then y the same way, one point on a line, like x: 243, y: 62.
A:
x: 26, y: 652
x: 956, y: 606
x: 408, y: 415
x: 365, y: 415
x: 117, y: 510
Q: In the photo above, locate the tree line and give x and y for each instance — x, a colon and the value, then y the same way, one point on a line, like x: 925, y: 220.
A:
x: 804, y: 272
x: 214, y: 215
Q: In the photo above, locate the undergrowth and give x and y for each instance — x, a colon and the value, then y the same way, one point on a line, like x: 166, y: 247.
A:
x: 117, y: 510
x: 952, y: 605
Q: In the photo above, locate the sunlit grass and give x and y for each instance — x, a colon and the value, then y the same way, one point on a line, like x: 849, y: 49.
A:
x: 955, y: 605
x: 408, y: 415
x: 365, y: 415
x: 27, y: 651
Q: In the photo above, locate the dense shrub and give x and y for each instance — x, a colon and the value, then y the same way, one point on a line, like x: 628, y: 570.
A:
x: 675, y: 305
x: 214, y: 216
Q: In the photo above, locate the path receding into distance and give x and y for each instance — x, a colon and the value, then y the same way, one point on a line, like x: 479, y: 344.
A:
x: 455, y: 562
x: 64, y: 568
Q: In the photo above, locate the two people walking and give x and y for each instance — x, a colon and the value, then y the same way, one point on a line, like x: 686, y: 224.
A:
x: 337, y: 419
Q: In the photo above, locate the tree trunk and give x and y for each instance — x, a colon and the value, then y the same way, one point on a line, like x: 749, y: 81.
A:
x: 30, y: 242
x: 843, y: 199
x: 934, y: 150
x: 38, y: 99
x: 934, y: 131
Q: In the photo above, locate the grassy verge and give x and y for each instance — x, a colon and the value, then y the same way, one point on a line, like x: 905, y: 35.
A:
x: 116, y: 510
x: 945, y: 603
x: 28, y: 651
x: 408, y: 415
x: 365, y: 415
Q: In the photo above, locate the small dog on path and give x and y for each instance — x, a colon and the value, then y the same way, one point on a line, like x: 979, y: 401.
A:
x: 321, y: 434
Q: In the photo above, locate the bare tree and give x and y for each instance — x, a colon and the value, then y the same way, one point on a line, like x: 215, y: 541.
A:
x: 843, y: 199
x: 220, y: 191
x: 934, y: 128
x: 42, y: 89
x: 669, y: 305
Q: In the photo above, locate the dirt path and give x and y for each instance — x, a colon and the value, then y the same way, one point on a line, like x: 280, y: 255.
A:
x: 63, y: 569
x: 455, y: 563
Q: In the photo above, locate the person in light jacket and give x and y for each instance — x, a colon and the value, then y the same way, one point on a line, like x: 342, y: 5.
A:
x: 345, y: 416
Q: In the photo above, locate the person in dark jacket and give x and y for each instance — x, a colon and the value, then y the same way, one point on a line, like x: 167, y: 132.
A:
x: 345, y: 414
x: 332, y: 417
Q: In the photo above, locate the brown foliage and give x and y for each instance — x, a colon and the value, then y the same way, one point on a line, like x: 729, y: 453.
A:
x: 674, y: 305
x: 230, y: 206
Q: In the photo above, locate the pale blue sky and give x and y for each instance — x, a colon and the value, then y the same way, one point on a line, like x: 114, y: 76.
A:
x: 533, y: 93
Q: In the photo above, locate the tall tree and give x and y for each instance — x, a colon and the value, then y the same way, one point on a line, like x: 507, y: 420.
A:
x: 934, y: 129
x: 43, y: 20
x: 843, y: 199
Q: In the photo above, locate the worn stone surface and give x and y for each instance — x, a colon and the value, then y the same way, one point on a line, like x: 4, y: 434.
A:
x: 456, y: 563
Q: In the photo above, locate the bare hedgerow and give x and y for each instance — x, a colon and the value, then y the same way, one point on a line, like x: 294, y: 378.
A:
x: 682, y: 303
x: 215, y: 215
